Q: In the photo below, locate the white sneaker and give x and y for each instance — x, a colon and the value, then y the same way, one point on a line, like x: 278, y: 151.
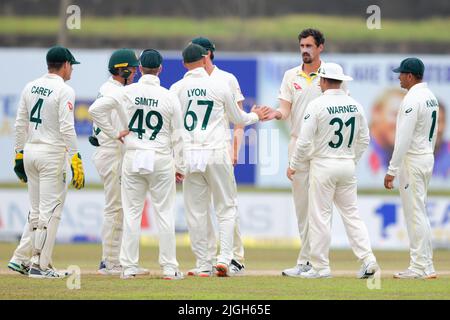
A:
x: 236, y: 268
x: 127, y: 276
x: 222, y: 269
x: 411, y: 274
x: 38, y: 273
x: 114, y: 271
x: 193, y: 272
x: 173, y: 275
x: 297, y: 270
x: 368, y: 270
x: 142, y: 271
x: 313, y: 274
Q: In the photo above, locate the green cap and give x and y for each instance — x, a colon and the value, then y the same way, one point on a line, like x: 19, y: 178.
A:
x: 60, y: 54
x: 150, y: 58
x: 122, y: 58
x: 205, y: 43
x: 411, y: 65
x: 193, y: 52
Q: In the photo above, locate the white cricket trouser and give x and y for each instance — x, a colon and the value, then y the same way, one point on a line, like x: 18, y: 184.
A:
x: 414, y: 177
x: 218, y: 180
x: 22, y: 254
x: 238, y: 245
x: 161, y: 185
x: 334, y: 180
x: 45, y: 167
x: 108, y: 162
x: 300, y: 192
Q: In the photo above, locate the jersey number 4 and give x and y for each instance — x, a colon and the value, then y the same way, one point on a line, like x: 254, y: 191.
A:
x: 138, y: 117
x: 37, y: 109
x: 191, y: 114
x: 350, y: 122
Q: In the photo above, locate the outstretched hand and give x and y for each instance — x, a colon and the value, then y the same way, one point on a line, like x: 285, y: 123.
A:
x: 262, y: 112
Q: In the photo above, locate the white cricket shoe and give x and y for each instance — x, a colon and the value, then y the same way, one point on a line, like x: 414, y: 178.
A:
x: 297, y: 270
x: 313, y: 274
x: 173, y: 275
x: 222, y: 269
x: 114, y: 271
x: 411, y: 274
x: 37, y: 273
x: 142, y: 271
x: 236, y: 268
x: 193, y: 272
x: 368, y: 270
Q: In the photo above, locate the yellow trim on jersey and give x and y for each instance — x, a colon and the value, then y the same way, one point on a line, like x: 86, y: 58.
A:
x: 309, y: 78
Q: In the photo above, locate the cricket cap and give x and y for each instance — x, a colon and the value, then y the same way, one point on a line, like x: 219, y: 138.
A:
x: 60, y: 54
x: 150, y: 58
x: 411, y: 65
x: 193, y: 52
x: 334, y: 71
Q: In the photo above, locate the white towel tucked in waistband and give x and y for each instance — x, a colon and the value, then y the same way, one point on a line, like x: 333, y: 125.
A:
x: 197, y: 160
x: 144, y: 161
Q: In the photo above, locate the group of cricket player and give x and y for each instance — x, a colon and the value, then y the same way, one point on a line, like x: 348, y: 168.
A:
x: 148, y: 138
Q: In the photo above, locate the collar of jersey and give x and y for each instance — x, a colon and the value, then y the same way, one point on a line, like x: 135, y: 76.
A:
x: 199, y: 72
x: 420, y: 85
x: 216, y: 68
x: 115, y: 82
x: 149, y: 79
x: 54, y: 76
x: 308, y: 77
x: 334, y: 92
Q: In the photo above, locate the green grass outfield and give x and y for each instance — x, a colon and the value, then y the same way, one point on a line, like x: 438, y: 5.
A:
x: 262, y: 282
x: 283, y: 27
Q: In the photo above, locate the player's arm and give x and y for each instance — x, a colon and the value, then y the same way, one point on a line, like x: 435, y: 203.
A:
x: 21, y: 124
x: 304, y: 144
x: 67, y: 130
x: 285, y: 98
x: 99, y: 111
x: 238, y: 116
x: 238, y: 137
x: 407, y: 119
x: 177, y: 136
x: 363, y: 138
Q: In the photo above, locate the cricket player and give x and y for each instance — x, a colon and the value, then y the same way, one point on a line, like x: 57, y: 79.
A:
x: 152, y: 117
x: 45, y: 140
x: 207, y: 106
x: 299, y: 87
x: 108, y: 162
x: 412, y: 161
x: 333, y: 137
x: 236, y: 267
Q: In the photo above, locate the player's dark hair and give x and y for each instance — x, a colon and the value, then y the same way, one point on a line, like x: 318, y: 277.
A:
x: 417, y: 76
x: 212, y: 55
x: 54, y: 66
x: 316, y: 34
x: 333, y: 81
x: 153, y: 71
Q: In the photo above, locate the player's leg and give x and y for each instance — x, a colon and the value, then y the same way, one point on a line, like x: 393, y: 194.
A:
x: 300, y: 189
x: 321, y: 192
x: 196, y: 202
x: 211, y: 234
x: 20, y: 261
x: 134, y: 188
x: 220, y: 177
x: 413, y: 185
x: 345, y: 199
x: 163, y: 193
x: 108, y: 164
x: 52, y: 192
x: 237, y: 263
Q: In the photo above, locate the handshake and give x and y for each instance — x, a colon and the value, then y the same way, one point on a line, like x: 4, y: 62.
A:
x: 266, y: 113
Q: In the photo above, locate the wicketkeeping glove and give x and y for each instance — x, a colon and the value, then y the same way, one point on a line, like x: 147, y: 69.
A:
x: 77, y: 171
x: 19, y: 169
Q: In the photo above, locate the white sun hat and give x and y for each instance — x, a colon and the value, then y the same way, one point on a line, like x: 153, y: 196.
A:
x: 334, y: 71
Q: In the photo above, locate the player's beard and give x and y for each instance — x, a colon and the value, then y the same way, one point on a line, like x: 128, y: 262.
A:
x: 307, y: 58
